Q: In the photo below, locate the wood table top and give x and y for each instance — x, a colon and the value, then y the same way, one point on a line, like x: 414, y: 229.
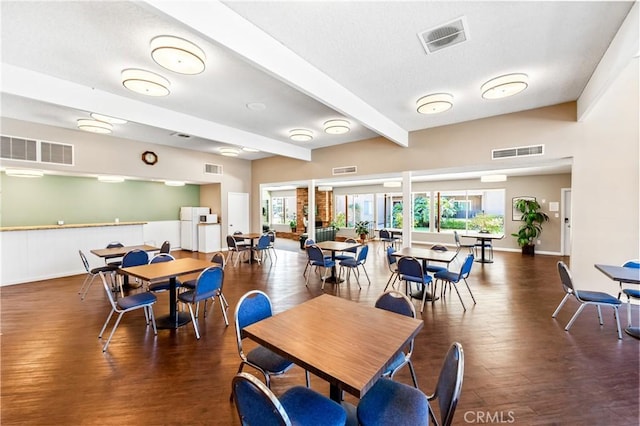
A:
x: 249, y: 236
x: 121, y: 251
x: 426, y: 254
x: 164, y: 270
x: 485, y: 235
x: 336, y: 245
x: 620, y: 273
x: 345, y: 343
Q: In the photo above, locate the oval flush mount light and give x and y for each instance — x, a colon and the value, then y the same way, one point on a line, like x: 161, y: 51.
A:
x: 504, y: 86
x: 107, y: 119
x: 177, y: 54
x: 435, y: 103
x: 336, y: 127
x: 229, y: 152
x: 248, y: 149
x: 145, y: 82
x: 94, y: 126
x: 300, y: 135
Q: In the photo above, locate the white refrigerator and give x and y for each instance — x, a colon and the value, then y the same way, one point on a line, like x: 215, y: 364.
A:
x: 189, y: 220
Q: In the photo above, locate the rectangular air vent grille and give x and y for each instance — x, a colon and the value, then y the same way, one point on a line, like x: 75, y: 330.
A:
x: 18, y: 148
x: 445, y: 35
x: 57, y: 153
x: 346, y: 170
x: 521, y: 151
x: 213, y: 169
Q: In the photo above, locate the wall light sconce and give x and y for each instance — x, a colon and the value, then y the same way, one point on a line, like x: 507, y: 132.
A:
x: 173, y: 183
x: 107, y: 119
x: 504, y: 86
x: 28, y: 173
x: 177, y: 54
x: 392, y: 184
x: 111, y: 179
x: 94, y: 126
x: 145, y: 82
x: 336, y: 127
x: 229, y: 152
x: 435, y: 103
x: 493, y: 178
x: 300, y: 135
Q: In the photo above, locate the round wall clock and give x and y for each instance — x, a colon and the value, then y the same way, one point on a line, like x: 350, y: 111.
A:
x: 149, y: 157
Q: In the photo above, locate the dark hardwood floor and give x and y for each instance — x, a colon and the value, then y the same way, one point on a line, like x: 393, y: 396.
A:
x: 521, y: 367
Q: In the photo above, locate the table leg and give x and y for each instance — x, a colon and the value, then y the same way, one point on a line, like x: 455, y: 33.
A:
x: 333, y: 278
x: 483, y: 259
x: 175, y: 319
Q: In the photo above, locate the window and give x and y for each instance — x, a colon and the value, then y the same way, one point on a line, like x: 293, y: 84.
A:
x: 283, y: 210
x: 354, y: 208
x: 470, y: 209
x: 389, y: 211
x: 421, y: 211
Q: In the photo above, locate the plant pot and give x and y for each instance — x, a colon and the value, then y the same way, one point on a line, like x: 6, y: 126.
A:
x: 363, y: 237
x: 529, y: 250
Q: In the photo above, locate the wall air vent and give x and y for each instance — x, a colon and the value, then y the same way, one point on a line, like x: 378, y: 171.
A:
x: 346, y: 170
x: 58, y: 153
x: 212, y: 169
x: 18, y: 148
x: 521, y: 151
x: 445, y: 35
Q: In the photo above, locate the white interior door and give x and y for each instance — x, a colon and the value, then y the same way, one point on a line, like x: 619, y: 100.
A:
x: 566, y: 222
x: 238, y: 212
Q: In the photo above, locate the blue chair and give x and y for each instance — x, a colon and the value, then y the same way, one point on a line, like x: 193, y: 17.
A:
x: 398, y: 303
x: 307, y: 243
x: 449, y: 385
x: 166, y: 247
x: 632, y: 293
x: 460, y: 246
x: 392, y: 263
x: 257, y: 405
x: 264, y: 245
x: 191, y: 284
x: 92, y: 273
x: 437, y: 268
x: 134, y: 257
x: 453, y: 278
x: 208, y: 286
x: 252, y: 307
x: 235, y: 249
x: 109, y: 259
x: 319, y: 260
x: 161, y: 285
x: 410, y: 271
x: 348, y: 253
x: 142, y: 301
x: 352, y: 264
x: 393, y: 403
x: 272, y: 245
x: 388, y: 239
x: 585, y: 298
x: 628, y: 264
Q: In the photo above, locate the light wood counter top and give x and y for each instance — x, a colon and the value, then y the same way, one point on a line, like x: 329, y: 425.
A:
x: 67, y: 226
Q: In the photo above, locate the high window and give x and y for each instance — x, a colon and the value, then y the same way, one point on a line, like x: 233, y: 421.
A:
x: 283, y: 210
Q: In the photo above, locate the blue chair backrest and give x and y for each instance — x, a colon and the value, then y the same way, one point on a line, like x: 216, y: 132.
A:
x: 385, y: 234
x: 353, y: 249
x: 632, y: 264
x: 264, y: 242
x: 565, y: 277
x: 253, y: 307
x: 231, y: 242
x: 161, y: 257
x: 135, y: 258
x: 362, y: 256
x: 390, y: 258
x: 309, y: 242
x: 394, y: 301
x: 256, y: 404
x: 208, y: 283
x: 466, y: 266
x: 218, y: 258
x: 114, y: 244
x: 315, y: 254
x: 410, y: 267
x: 450, y: 382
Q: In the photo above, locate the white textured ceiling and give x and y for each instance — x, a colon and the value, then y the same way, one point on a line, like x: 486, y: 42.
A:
x: 308, y: 62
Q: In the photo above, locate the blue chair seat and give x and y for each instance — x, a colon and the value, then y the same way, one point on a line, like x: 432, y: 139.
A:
x: 136, y: 300
x: 598, y: 297
x: 447, y: 275
x: 629, y: 292
x: 393, y: 403
x: 426, y: 280
x: 350, y: 262
x: 188, y: 296
x: 328, y: 263
x: 268, y: 360
x: 307, y: 407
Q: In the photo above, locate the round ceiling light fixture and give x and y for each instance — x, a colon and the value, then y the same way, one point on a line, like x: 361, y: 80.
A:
x: 229, y: 152
x: 177, y: 54
x: 107, y: 119
x: 300, y: 135
x: 435, y: 103
x: 145, y: 82
x: 336, y: 127
x: 94, y: 126
x: 504, y: 86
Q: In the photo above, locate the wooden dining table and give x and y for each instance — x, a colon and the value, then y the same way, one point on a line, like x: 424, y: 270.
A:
x: 252, y: 237
x: 106, y: 253
x: 333, y: 247
x: 484, y: 237
x: 426, y: 255
x: 348, y: 344
x: 169, y: 271
x: 624, y: 275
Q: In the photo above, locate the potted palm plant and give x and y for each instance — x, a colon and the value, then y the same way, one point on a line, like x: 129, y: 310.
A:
x: 531, y: 228
x: 293, y: 224
x: 362, y: 229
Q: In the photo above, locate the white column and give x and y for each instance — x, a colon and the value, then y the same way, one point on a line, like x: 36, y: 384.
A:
x: 407, y: 209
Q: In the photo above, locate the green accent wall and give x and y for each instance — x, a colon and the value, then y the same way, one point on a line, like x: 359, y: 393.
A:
x: 46, y: 200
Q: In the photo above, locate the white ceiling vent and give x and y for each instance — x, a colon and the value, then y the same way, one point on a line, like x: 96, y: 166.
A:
x: 521, y: 151
x: 445, y: 35
x: 18, y: 148
x: 58, y: 153
x: 212, y: 169
x: 346, y: 170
